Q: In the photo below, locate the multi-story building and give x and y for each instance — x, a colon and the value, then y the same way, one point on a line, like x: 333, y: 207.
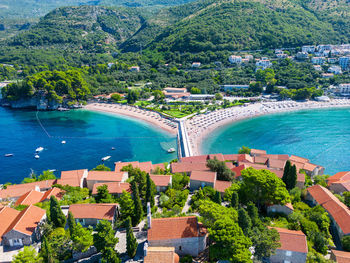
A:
x: 235, y: 59
x: 263, y: 63
x: 318, y: 60
x: 308, y: 49
x: 335, y: 69
x: 344, y: 62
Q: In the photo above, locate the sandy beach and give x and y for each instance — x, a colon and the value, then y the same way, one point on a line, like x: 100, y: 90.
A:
x: 151, y: 117
x: 202, y: 125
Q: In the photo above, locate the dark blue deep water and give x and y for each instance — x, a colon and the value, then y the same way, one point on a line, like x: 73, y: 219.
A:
x: 89, y: 136
x: 323, y: 136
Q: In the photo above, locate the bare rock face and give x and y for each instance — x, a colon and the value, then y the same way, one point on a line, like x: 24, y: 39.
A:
x: 35, y: 103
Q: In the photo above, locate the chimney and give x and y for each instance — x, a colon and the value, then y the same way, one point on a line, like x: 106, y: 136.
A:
x: 149, y: 215
x: 37, y: 188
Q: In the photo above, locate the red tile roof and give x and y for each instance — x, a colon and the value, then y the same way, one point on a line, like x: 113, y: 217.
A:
x: 188, y: 167
x: 72, y: 178
x: 113, y: 187
x: 341, y: 176
x: 161, y: 255
x: 310, y: 167
x: 261, y: 160
x: 174, y: 228
x: 56, y: 192
x: 320, y: 194
x: 257, y: 152
x: 245, y: 158
x: 146, y: 167
x: 17, y: 190
x: 192, y: 159
x: 231, y: 157
x: 30, y: 198
x: 96, y: 211
x: 120, y: 165
x: 218, y: 156
x: 160, y: 165
x: 27, y: 220
x: 229, y: 165
x: 203, y: 176
x: 237, y: 170
x: 7, y: 216
x: 105, y: 176
x: 292, y: 240
x: 340, y: 256
x: 344, y: 184
x: 221, y: 186
x: 276, y: 156
x: 161, y: 180
x: 278, y: 164
x: 298, y: 159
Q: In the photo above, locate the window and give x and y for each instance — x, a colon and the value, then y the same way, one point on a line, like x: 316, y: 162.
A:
x: 273, y: 210
x: 288, y: 253
x: 286, y: 261
x: 180, y: 248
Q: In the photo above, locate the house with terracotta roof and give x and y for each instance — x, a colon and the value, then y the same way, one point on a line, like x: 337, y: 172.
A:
x: 114, y: 188
x: 260, y: 160
x: 188, y: 167
x: 339, y: 183
x: 293, y: 247
x: 276, y: 164
x: 256, y: 152
x: 201, y: 179
x: 7, y: 216
x: 340, y: 256
x: 147, y: 167
x: 309, y: 168
x: 286, y: 209
x: 23, y: 229
x: 194, y: 159
x: 91, y: 214
x: 161, y: 181
x: 56, y: 192
x: 185, y: 234
x: 30, y: 198
x: 75, y: 178
x: 95, y: 177
x: 160, y: 254
x: 338, y: 212
x: 217, y: 156
x: 221, y: 186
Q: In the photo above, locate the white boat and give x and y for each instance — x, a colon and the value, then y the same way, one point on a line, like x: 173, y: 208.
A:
x: 8, y: 154
x: 39, y: 149
x: 36, y: 156
x: 105, y: 158
x: 113, y: 148
x: 171, y: 150
x: 63, y: 142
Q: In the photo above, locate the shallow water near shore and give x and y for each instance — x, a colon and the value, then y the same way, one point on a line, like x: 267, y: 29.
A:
x: 322, y: 135
x: 89, y: 136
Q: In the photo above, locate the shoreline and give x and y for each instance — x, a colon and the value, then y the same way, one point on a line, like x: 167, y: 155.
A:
x: 224, y: 117
x: 139, y: 114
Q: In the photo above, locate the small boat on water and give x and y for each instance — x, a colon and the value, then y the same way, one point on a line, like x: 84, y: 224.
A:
x: 39, y: 149
x: 171, y: 150
x: 105, y: 158
x: 36, y: 156
x: 63, y: 142
x: 8, y: 154
x: 113, y: 148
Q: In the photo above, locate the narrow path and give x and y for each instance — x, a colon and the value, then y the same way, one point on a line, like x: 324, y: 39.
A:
x: 187, y: 204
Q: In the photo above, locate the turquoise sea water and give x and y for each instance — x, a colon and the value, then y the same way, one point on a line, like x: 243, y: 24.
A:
x: 89, y: 136
x: 323, y: 136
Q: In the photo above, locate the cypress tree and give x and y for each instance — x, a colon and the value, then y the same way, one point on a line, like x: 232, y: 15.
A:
x: 234, y: 200
x: 56, y: 215
x: 46, y: 252
x: 293, y: 176
x: 253, y: 213
x: 286, y: 173
x: 131, y: 243
x: 138, y: 212
x: 149, y: 192
x: 71, y: 223
x: 217, y: 197
x: 244, y: 221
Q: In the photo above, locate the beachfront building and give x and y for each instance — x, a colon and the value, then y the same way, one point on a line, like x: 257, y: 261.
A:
x: 235, y: 59
x: 147, y: 167
x: 338, y: 212
x: 344, y: 89
x: 185, y: 234
x: 75, y: 178
x: 176, y: 93
x: 344, y: 62
x: 91, y: 214
x: 200, y: 97
x: 293, y: 247
x: 20, y: 228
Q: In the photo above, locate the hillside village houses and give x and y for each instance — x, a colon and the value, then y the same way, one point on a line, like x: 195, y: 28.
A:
x: 263, y: 63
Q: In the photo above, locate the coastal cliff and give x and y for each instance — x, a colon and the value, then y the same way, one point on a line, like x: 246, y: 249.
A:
x: 38, y: 103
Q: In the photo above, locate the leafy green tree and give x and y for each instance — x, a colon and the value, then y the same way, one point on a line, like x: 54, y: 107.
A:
x: 244, y: 221
x: 82, y: 238
x: 244, y: 150
x: 138, y: 212
x: 345, y: 241
x: 104, y: 236
x: 212, y: 212
x: 180, y: 181
x: 253, y: 214
x: 101, y: 167
x: 195, y: 91
x: 28, y: 255
x: 217, y: 197
x: 46, y: 252
x: 218, y: 96
x: 116, y: 97
x: 56, y: 215
x: 46, y: 175
x: 131, y: 242
x: 346, y: 196
x: 110, y: 256
x: 126, y: 205
x: 320, y: 242
x: 265, y: 241
x: 103, y: 195
x: 223, y: 172
x: 263, y: 187
x: 150, y: 191
x: 235, y: 200
x: 132, y: 96
x: 61, y: 244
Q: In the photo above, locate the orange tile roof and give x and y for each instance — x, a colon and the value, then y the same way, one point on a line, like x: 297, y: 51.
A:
x: 344, y: 184
x: 109, y: 176
x: 221, y: 186
x: 203, y: 176
x: 113, y: 187
x: 278, y: 164
x: 276, y: 156
x: 298, y: 165
x: 17, y: 190
x: 231, y: 157
x: 27, y: 220
x: 320, y: 194
x: 7, y: 216
x: 188, y: 167
x: 245, y: 158
x: 298, y: 159
x: 161, y: 180
x: 309, y: 167
x: 56, y: 192
x: 191, y: 159
x: 340, y: 256
x: 341, y: 176
x: 160, y: 165
x: 292, y: 240
x: 260, y: 159
x: 256, y: 151
x: 30, y: 198
x: 72, y: 178
x: 218, y: 156
x: 96, y: 211
x: 174, y: 228
x: 161, y: 255
x: 237, y: 170
x: 119, y: 166
x: 229, y: 165
x: 146, y: 167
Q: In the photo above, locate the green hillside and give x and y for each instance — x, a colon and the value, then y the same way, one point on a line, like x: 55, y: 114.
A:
x: 236, y: 25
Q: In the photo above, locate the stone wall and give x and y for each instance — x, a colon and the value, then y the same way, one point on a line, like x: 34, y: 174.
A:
x: 13, y: 234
